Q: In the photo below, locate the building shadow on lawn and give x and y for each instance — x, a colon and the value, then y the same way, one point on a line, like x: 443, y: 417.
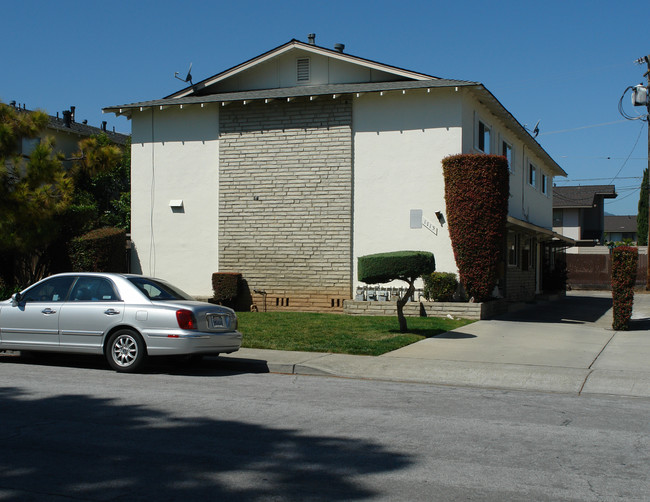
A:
x: 84, y: 447
x: 572, y: 309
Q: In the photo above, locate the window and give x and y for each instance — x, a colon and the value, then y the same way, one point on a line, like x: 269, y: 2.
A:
x: 544, y: 184
x: 28, y: 145
x: 155, y: 289
x: 483, y: 137
x: 51, y: 290
x: 513, y: 249
x: 506, y: 151
x: 93, y: 289
x: 532, y: 175
x: 558, y: 218
x: 303, y: 70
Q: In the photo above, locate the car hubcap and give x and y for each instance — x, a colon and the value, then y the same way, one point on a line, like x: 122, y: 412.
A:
x: 125, y: 350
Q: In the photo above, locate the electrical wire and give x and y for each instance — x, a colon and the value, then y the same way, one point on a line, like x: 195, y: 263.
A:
x: 624, y: 113
x: 630, y: 155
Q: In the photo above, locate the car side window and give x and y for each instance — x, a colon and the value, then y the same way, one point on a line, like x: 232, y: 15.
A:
x: 93, y: 289
x: 51, y: 290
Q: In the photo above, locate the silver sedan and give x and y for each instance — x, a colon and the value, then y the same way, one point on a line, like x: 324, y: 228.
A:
x: 125, y: 317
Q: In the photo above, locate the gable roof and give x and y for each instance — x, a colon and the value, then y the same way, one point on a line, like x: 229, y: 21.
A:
x: 584, y: 196
x: 293, y: 45
x: 625, y: 223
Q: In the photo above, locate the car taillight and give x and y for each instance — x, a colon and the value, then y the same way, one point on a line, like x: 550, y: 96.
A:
x: 185, y: 319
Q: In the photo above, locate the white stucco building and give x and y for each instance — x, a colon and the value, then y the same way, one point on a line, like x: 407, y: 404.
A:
x: 291, y: 165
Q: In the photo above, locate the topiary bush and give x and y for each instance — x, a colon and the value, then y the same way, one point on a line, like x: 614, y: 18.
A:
x: 403, y: 265
x: 225, y: 287
x: 624, y: 266
x: 440, y: 286
x: 476, y: 194
x: 101, y: 250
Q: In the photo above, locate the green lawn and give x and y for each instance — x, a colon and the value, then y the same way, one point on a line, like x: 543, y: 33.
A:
x: 342, y: 334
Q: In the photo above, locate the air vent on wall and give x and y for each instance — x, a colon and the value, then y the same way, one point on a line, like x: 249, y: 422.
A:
x: 302, y: 67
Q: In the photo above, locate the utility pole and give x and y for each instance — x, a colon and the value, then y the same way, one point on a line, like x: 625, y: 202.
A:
x: 646, y: 60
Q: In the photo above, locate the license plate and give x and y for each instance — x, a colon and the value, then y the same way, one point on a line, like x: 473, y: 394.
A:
x: 216, y: 321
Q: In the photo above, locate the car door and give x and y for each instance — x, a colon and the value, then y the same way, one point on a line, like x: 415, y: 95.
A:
x: 92, y: 309
x: 33, y: 322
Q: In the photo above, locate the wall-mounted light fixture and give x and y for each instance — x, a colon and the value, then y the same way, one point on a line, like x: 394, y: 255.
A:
x: 441, y: 217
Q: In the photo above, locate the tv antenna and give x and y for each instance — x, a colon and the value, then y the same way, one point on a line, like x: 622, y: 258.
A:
x: 535, y: 130
x: 188, y: 77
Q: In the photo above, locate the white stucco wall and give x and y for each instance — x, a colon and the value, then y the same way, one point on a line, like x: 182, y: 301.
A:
x: 175, y: 156
x: 399, y: 143
x: 526, y: 202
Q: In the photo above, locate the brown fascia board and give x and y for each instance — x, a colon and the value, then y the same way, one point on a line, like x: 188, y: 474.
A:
x: 190, y: 90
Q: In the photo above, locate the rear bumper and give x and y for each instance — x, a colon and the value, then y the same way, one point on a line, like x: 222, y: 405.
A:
x: 179, y: 343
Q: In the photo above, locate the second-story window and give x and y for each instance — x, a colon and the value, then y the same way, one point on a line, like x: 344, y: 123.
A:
x: 544, y: 184
x: 506, y: 151
x: 532, y: 175
x: 483, y: 137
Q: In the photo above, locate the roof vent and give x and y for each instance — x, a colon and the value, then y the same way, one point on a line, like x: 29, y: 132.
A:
x: 302, y: 69
x: 339, y: 47
x: 67, y: 118
x: 312, y: 38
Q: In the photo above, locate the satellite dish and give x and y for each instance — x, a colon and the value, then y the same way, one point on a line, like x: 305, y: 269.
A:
x: 188, y: 78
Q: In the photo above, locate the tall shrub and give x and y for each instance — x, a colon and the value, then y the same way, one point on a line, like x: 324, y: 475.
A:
x: 624, y: 267
x: 403, y: 265
x: 101, y: 250
x: 476, y: 194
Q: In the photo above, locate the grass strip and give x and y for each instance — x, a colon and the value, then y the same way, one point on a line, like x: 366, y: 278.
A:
x: 341, y: 334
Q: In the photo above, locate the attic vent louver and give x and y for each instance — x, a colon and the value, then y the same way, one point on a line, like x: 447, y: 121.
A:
x: 302, y: 67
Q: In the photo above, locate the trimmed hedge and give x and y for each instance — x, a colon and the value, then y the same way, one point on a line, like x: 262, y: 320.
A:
x: 624, y: 267
x: 403, y: 265
x: 225, y: 286
x: 476, y: 194
x: 101, y: 250
x: 440, y: 286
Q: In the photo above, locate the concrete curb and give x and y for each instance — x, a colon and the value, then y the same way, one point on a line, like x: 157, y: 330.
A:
x: 577, y: 381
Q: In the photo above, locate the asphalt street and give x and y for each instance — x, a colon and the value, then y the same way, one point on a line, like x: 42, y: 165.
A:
x: 72, y: 430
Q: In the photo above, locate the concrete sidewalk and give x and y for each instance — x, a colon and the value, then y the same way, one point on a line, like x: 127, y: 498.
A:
x: 565, y: 346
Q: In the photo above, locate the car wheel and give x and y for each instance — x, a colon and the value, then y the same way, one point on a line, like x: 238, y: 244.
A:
x: 125, y: 351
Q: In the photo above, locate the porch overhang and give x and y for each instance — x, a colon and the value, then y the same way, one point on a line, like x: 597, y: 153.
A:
x: 545, y: 235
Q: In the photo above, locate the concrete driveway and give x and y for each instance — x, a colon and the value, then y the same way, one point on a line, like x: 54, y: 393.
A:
x: 566, y: 345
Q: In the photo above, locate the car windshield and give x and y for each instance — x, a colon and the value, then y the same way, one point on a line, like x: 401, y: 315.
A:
x: 157, y: 290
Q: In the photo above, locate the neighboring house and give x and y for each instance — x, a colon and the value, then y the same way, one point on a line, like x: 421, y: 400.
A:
x: 620, y: 228
x: 67, y: 133
x: 291, y: 165
x: 579, y: 212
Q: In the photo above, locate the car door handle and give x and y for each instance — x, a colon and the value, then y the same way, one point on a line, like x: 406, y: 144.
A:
x: 111, y: 312
x: 48, y: 311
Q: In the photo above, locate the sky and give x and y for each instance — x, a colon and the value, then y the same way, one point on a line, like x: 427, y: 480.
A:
x: 563, y: 63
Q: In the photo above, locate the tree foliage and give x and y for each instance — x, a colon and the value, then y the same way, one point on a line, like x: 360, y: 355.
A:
x: 642, y: 214
x: 44, y: 203
x: 35, y: 191
x: 401, y: 265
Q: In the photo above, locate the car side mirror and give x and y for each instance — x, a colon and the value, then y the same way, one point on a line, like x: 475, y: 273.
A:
x: 16, y: 298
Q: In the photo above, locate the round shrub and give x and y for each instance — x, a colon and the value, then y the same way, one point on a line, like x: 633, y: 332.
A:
x: 440, y: 286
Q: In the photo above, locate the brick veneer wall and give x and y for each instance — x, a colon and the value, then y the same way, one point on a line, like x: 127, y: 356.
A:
x: 520, y: 284
x: 285, y: 201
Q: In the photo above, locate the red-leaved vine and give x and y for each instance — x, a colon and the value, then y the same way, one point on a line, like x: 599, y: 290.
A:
x: 476, y: 193
x: 624, y: 267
